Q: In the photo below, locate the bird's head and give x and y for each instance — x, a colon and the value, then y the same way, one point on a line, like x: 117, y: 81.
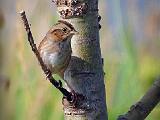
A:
x: 61, y: 31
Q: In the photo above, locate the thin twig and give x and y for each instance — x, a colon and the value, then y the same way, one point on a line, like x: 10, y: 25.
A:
x: 47, y: 72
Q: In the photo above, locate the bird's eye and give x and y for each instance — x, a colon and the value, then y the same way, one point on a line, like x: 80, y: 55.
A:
x: 64, y: 29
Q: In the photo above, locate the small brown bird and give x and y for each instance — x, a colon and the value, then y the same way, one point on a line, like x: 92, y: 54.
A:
x: 55, y: 48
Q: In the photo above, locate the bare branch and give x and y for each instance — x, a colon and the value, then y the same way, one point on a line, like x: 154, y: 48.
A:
x: 142, y: 109
x: 68, y: 95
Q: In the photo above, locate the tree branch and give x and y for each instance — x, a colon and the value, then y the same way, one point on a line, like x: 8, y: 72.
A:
x: 142, y: 109
x: 68, y: 95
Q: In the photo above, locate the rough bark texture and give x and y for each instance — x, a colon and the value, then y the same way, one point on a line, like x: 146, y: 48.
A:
x: 85, y: 72
x: 142, y: 109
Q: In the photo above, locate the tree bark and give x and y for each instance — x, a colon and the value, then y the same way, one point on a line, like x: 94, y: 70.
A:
x: 85, y: 72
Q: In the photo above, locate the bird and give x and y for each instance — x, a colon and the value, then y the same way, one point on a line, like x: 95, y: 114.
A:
x: 55, y: 48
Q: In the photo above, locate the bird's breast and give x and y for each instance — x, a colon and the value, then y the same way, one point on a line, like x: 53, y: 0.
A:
x: 55, y: 56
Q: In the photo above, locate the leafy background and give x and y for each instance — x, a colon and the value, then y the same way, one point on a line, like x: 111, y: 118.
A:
x: 130, y: 44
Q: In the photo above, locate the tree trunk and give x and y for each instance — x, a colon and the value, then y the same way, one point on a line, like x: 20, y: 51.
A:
x: 85, y: 73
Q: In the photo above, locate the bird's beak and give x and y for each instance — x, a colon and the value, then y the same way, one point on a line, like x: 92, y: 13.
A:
x: 74, y: 32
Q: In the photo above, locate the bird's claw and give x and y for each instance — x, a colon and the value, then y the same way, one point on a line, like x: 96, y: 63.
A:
x: 60, y: 83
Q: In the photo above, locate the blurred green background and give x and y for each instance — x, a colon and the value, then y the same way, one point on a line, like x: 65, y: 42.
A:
x: 130, y: 44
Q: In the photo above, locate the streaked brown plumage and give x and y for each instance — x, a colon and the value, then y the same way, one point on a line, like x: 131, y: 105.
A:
x: 55, y: 48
